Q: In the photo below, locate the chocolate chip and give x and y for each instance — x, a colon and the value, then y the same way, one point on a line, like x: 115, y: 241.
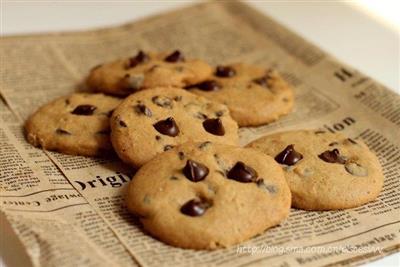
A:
x: 168, y: 147
x: 333, y: 144
x: 288, y: 156
x: 209, y: 85
x: 158, y: 137
x: 85, y: 110
x: 162, y: 101
x: 181, y: 155
x: 176, y: 56
x: 104, y: 132
x: 140, y: 57
x: 62, y: 132
x: 122, y: 124
x: 242, y: 173
x: 167, y: 127
x: 214, y: 126
x: 195, y: 171
x: 142, y: 109
x: 195, y: 207
x: 225, y: 71
x: 355, y: 169
x: 332, y: 156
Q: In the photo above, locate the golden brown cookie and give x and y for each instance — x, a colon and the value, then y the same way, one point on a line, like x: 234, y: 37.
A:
x: 254, y: 95
x: 325, y: 171
x: 147, y: 70
x: 152, y: 121
x: 208, y: 196
x: 77, y: 124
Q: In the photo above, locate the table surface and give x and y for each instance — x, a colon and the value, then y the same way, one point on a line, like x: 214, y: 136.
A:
x: 348, y: 32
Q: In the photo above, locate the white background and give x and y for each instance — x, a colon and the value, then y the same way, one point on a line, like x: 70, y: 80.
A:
x: 368, y: 41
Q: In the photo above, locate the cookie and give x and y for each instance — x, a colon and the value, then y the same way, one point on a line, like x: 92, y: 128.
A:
x: 153, y: 121
x: 254, y: 95
x: 325, y: 171
x: 207, y: 195
x: 77, y: 124
x: 147, y: 70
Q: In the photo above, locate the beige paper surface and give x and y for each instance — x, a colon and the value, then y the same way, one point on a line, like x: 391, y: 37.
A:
x: 329, y: 95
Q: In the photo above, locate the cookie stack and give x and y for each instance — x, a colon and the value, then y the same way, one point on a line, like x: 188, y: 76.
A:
x: 177, y: 119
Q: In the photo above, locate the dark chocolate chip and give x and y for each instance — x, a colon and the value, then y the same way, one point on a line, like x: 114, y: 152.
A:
x: 214, y: 126
x: 85, y: 110
x: 167, y: 127
x: 209, y: 85
x: 288, y: 156
x: 62, y: 132
x: 225, y: 71
x: 140, y: 57
x: 333, y: 144
x: 332, y: 156
x: 175, y: 56
x: 158, y: 137
x: 168, y: 147
x: 242, y: 173
x: 104, y: 132
x: 142, y: 109
x: 122, y: 124
x: 195, y: 171
x: 195, y: 207
x: 181, y: 155
x: 162, y: 101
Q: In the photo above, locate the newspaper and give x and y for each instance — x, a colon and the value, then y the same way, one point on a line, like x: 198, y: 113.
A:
x: 70, y: 211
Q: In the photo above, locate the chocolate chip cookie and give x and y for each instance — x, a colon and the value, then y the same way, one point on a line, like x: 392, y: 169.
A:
x: 254, y: 95
x: 207, y: 196
x: 77, y: 124
x: 147, y: 70
x: 325, y: 171
x: 152, y: 121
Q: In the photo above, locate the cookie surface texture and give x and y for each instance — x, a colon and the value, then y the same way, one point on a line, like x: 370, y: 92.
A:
x: 153, y: 121
x: 77, y: 124
x: 253, y: 94
x: 146, y: 70
x: 207, y: 196
x: 325, y: 171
